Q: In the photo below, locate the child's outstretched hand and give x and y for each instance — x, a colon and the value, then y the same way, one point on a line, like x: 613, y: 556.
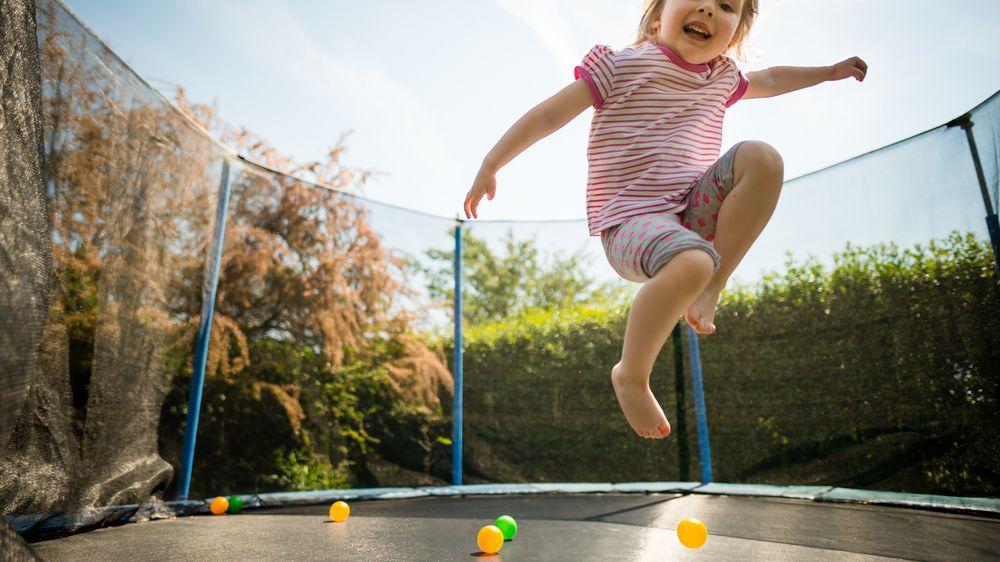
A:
x: 485, y: 184
x: 852, y: 67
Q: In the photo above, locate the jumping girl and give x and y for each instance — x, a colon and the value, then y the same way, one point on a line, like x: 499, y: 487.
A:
x: 670, y: 212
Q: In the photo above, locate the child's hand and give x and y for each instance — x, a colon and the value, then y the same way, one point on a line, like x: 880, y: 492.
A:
x: 485, y: 184
x: 850, y: 67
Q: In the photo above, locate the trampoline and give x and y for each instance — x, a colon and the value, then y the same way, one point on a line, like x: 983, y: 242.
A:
x: 122, y: 219
x: 553, y: 526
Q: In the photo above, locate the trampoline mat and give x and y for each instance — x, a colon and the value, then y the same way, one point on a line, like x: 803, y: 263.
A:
x: 551, y: 527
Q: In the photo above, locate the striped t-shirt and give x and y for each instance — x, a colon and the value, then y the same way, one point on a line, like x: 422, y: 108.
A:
x: 657, y: 127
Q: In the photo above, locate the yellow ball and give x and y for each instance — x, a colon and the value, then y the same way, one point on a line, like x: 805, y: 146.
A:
x: 490, y: 539
x: 219, y: 505
x: 692, y: 532
x: 339, y: 511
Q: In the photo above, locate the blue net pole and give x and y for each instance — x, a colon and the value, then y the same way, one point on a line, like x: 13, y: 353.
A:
x: 699, y: 407
x: 992, y: 225
x: 204, y: 333
x: 456, y: 404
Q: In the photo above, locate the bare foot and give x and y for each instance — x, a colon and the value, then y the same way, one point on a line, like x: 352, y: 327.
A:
x: 701, y: 313
x: 639, y: 405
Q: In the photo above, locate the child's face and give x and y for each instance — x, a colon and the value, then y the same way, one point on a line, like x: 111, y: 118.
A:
x: 721, y: 17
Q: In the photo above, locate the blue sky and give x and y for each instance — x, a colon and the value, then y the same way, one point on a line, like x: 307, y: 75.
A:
x: 429, y: 87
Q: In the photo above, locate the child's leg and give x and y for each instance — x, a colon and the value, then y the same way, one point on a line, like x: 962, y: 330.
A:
x: 680, y: 263
x: 658, y: 306
x: 757, y: 175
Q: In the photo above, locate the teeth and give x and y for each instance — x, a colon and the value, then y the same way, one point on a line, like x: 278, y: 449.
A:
x: 698, y: 29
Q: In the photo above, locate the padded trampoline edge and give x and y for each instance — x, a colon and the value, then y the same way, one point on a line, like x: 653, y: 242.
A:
x: 45, y: 526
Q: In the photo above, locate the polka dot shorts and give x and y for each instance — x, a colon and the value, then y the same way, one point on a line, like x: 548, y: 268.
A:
x: 640, y: 246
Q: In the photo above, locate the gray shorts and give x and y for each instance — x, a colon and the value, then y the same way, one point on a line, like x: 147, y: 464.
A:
x: 640, y: 246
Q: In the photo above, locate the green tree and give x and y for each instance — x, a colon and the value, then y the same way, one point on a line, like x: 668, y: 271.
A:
x: 498, y: 286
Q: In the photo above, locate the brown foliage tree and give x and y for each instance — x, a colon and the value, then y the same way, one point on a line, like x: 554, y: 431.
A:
x: 132, y: 188
x: 300, y: 260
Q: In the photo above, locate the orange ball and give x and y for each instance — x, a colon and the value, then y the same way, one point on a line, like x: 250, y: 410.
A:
x: 692, y: 532
x: 490, y: 539
x: 340, y: 511
x: 219, y: 505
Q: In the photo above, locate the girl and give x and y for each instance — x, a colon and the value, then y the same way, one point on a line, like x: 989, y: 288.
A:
x: 670, y: 212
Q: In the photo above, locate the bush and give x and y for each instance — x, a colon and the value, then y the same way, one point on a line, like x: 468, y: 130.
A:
x: 879, y: 373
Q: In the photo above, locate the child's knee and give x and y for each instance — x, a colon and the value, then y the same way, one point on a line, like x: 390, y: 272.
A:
x: 762, y: 157
x: 696, y: 262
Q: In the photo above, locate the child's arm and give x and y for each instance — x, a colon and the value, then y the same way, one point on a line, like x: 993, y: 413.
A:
x: 779, y: 80
x: 538, y: 123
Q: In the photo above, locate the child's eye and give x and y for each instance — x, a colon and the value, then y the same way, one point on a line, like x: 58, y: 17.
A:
x: 728, y: 7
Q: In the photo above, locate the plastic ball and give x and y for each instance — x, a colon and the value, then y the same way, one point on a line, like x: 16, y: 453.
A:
x: 235, y: 504
x: 340, y: 511
x: 507, y: 526
x: 490, y: 539
x: 692, y: 532
x: 219, y: 505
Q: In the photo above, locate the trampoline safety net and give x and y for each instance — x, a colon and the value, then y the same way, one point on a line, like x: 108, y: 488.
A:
x: 857, y: 342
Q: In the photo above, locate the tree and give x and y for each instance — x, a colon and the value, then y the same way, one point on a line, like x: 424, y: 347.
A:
x: 499, y: 286
x: 309, y: 358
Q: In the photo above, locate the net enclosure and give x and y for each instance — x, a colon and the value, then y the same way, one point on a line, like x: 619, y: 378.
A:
x: 144, y: 261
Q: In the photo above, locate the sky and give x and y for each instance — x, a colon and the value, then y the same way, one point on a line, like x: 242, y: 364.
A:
x: 427, y: 88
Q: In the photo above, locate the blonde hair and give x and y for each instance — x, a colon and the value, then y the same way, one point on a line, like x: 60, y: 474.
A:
x: 653, y: 8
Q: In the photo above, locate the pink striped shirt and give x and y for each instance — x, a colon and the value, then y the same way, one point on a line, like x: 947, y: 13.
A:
x: 657, y: 127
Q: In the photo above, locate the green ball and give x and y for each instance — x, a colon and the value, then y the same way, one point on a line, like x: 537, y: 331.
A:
x: 507, y: 526
x: 235, y: 504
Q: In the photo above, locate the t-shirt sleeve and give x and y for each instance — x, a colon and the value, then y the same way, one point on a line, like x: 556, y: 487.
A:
x: 740, y: 86
x: 598, y: 69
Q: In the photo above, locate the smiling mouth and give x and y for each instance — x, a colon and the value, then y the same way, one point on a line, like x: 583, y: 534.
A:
x: 696, y: 33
